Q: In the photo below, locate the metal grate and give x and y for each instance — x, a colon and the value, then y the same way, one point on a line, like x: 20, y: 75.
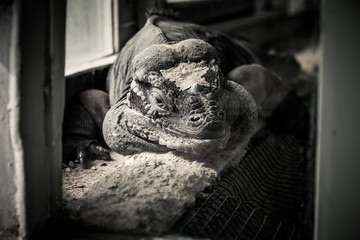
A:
x: 264, y: 197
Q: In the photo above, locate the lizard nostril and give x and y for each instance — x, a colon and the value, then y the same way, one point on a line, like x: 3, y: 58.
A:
x: 195, y: 118
x: 195, y: 106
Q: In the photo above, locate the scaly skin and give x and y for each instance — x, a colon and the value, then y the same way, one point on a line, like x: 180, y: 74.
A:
x: 175, y: 86
x: 168, y: 95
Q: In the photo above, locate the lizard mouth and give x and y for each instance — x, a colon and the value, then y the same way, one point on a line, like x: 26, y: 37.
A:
x: 214, y: 136
x: 212, y: 130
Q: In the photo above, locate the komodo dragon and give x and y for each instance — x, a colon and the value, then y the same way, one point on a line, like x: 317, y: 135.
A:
x: 175, y: 86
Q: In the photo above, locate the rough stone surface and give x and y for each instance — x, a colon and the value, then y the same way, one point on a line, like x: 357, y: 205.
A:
x: 142, y: 193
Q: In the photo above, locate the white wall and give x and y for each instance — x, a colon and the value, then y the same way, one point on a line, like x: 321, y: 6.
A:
x: 8, y: 219
x: 32, y: 87
x: 338, y: 160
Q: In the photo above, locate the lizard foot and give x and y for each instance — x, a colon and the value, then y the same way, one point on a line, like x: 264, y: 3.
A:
x: 91, y: 152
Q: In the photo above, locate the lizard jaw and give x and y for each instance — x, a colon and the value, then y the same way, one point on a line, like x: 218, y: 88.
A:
x: 155, y: 131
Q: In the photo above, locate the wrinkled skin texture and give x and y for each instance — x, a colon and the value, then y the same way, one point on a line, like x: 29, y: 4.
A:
x: 175, y: 86
x: 170, y: 93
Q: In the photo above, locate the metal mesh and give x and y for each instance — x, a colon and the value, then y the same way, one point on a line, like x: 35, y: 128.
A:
x: 264, y: 197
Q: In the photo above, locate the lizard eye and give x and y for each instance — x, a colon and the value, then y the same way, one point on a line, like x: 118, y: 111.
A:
x: 157, y: 100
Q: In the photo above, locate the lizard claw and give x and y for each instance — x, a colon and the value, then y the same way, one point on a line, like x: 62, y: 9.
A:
x: 81, y: 155
x: 100, y: 152
x: 93, y: 151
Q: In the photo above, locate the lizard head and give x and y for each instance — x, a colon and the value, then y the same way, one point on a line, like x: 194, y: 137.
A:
x: 176, y: 98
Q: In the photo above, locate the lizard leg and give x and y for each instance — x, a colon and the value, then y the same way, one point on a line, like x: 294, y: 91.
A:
x: 267, y: 89
x: 282, y: 108
x: 82, y: 127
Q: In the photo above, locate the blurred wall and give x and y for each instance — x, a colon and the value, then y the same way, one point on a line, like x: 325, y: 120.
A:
x: 32, y: 94
x: 338, y: 160
x: 8, y: 219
